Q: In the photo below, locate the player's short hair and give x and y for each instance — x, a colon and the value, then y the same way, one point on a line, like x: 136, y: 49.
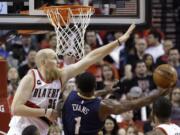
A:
x: 162, y: 108
x: 86, y: 82
x: 30, y: 130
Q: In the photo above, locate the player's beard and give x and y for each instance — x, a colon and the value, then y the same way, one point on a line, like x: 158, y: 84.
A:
x: 52, y: 74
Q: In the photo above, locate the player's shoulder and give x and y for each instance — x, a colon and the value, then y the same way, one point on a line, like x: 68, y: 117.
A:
x: 160, y: 131
x: 29, y: 76
x: 156, y: 131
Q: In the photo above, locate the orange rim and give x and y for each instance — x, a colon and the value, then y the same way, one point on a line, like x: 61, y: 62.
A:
x: 65, y: 12
x: 65, y: 7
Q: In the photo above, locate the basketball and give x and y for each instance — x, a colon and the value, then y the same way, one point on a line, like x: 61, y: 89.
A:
x: 165, y: 76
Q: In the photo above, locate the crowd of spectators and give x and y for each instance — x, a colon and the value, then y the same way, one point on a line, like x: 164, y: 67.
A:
x: 132, y: 64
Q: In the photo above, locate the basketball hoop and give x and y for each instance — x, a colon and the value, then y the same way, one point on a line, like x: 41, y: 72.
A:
x: 70, y: 23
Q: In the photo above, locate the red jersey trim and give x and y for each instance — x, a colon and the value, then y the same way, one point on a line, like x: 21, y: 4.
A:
x: 47, y: 81
x: 30, y: 104
x: 60, y: 82
x: 34, y: 79
x: 42, y: 77
x: 160, y: 128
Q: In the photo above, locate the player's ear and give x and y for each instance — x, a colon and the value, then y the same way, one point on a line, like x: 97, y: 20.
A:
x: 43, y: 62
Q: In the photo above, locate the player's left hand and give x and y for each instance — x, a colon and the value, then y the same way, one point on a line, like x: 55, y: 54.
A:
x: 52, y: 115
x: 165, y: 91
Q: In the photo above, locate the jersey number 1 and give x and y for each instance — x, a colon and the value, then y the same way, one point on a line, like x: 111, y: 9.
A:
x: 78, y: 124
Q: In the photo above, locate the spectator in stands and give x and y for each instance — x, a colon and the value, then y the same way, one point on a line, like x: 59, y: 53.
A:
x: 175, y: 100
x: 175, y: 97
x: 52, y: 40
x: 136, y: 37
x: 70, y: 85
x: 134, y: 93
x: 174, y: 60
x: 20, y: 47
x: 121, y: 131
x: 13, y: 80
x: 110, y: 126
x: 12, y: 62
x: 107, y: 74
x: 68, y: 60
x: 110, y: 76
x: 163, y: 59
x: 148, y: 59
x: 87, y: 49
x: 3, y: 52
x: 30, y: 130
x: 140, y: 47
x: 55, y: 130
x: 131, y: 130
x: 93, y: 39
x: 154, y: 42
x: 27, y: 44
x: 28, y: 64
x: 127, y: 119
x: 141, y: 79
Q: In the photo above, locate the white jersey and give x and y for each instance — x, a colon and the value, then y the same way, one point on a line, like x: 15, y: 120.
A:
x: 44, y: 95
x: 169, y: 129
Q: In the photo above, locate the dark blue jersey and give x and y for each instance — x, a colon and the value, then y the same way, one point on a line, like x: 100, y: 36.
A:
x: 80, y: 116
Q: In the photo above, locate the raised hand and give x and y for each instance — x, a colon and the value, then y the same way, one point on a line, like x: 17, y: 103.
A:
x: 125, y: 36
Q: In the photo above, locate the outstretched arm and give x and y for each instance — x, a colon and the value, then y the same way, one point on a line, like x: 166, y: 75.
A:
x: 93, y: 57
x: 105, y: 91
x: 109, y: 106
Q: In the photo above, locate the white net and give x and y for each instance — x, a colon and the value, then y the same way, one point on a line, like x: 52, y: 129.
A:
x: 70, y: 30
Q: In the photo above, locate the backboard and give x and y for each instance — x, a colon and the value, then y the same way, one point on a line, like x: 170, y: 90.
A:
x: 109, y: 14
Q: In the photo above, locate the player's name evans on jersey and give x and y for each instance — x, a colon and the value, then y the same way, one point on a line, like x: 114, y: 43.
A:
x: 51, y: 93
x: 80, y: 108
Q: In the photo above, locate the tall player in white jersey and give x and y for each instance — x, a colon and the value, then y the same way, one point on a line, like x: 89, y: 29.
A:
x: 38, y: 91
x: 162, y: 109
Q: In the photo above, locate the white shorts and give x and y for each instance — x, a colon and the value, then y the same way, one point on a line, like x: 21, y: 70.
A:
x: 14, y: 131
x: 18, y: 124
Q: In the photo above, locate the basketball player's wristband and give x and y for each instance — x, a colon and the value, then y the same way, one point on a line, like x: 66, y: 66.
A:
x: 49, y: 112
x: 118, y: 42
